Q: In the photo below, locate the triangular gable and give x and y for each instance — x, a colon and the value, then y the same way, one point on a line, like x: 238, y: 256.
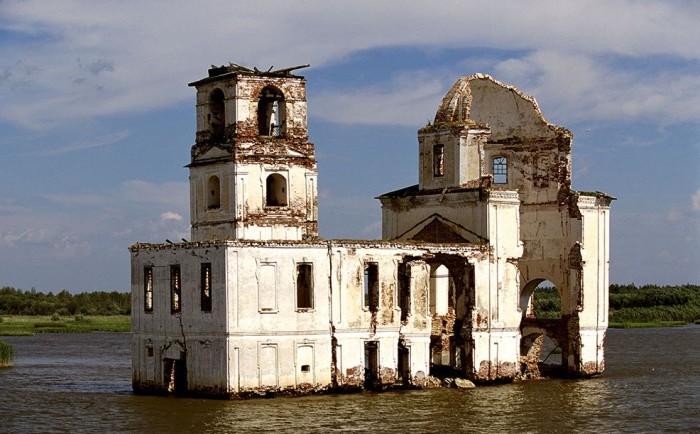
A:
x: 213, y: 153
x: 436, y: 229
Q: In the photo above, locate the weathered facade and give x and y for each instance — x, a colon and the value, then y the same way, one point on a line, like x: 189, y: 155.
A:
x: 256, y: 303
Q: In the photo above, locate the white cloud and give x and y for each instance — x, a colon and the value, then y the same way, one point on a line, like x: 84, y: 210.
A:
x: 408, y: 99
x: 84, y: 59
x: 107, y: 140
x: 695, y: 200
x: 580, y: 86
x: 171, y: 216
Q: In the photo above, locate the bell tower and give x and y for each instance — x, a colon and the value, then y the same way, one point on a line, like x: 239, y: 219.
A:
x: 253, y: 170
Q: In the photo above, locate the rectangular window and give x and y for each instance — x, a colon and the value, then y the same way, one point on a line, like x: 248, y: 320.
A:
x: 438, y: 160
x: 500, y: 170
x: 205, y: 287
x: 175, y: 289
x: 148, y: 289
x: 305, y: 286
x: 267, y: 287
x: 371, y: 286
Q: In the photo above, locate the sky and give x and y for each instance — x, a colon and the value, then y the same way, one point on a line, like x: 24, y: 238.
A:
x: 97, y: 120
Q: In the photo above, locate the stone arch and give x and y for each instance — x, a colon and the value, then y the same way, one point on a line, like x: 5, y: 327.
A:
x: 543, y: 337
x: 271, y: 112
x: 528, y: 290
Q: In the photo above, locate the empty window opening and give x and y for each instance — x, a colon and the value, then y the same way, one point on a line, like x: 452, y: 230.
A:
x: 404, y: 365
x: 439, y: 290
x: 149, y: 351
x: 371, y: 286
x: 304, y: 286
x: 371, y: 364
x: 500, y: 170
x: 217, y: 114
x: 438, y: 160
x: 276, y: 190
x: 540, y: 299
x: 305, y: 368
x: 271, y: 113
x: 213, y: 193
x: 148, y: 289
x: 175, y: 289
x: 175, y: 375
x: 205, y: 287
x: 404, y: 292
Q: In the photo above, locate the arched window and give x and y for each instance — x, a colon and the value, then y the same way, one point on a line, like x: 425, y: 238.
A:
x: 276, y: 190
x: 439, y: 290
x: 217, y: 114
x: 271, y: 112
x: 213, y: 193
x: 500, y: 170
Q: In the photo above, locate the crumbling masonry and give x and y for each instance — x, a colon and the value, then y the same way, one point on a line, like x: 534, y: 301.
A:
x: 256, y: 303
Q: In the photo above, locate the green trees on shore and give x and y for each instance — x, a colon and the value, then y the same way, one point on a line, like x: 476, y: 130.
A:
x: 17, y: 302
x: 635, y: 304
x: 628, y: 303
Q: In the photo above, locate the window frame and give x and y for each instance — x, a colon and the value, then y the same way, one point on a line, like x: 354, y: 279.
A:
x: 175, y: 289
x: 438, y: 163
x: 205, y: 287
x: 370, y: 290
x: 148, y: 289
x: 307, y: 295
x: 499, y: 166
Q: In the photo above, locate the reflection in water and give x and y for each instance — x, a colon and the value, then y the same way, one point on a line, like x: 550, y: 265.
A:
x: 82, y: 383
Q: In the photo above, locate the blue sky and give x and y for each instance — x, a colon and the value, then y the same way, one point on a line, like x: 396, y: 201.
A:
x: 96, y: 118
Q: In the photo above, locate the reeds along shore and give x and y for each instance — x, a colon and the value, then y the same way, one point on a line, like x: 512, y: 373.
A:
x: 6, y: 354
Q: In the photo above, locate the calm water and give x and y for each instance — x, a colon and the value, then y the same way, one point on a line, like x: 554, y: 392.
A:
x: 81, y: 383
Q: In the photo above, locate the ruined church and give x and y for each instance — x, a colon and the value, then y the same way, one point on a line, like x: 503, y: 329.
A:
x: 257, y: 303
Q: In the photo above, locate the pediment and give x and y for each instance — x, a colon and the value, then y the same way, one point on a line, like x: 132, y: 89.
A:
x: 213, y: 153
x: 437, y: 229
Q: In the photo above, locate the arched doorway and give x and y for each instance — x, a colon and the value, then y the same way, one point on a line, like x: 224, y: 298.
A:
x: 542, y: 328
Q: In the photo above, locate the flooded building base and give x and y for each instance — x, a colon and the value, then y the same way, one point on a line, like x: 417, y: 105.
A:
x: 256, y: 304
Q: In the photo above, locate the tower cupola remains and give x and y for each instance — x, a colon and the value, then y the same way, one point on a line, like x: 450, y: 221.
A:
x: 253, y: 170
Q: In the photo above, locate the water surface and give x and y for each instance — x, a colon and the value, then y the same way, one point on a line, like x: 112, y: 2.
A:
x: 82, y: 383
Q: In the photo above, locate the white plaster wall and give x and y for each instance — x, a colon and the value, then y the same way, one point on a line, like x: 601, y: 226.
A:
x: 290, y: 333
x: 200, y: 332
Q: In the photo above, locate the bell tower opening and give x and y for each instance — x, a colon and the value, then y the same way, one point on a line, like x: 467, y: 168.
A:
x: 276, y: 190
x: 253, y: 170
x: 217, y: 114
x: 271, y: 112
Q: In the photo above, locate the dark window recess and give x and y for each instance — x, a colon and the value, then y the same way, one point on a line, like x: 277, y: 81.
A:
x: 500, y: 170
x: 175, y: 289
x: 214, y: 196
x: 148, y: 289
x: 271, y: 113
x: 404, y: 291
x: 371, y: 286
x: 205, y: 287
x: 438, y: 161
x: 149, y: 351
x: 276, y: 190
x: 304, y: 286
x: 305, y: 368
x: 217, y: 115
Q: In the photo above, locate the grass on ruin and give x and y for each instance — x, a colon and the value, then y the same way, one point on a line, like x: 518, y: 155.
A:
x: 28, y: 325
